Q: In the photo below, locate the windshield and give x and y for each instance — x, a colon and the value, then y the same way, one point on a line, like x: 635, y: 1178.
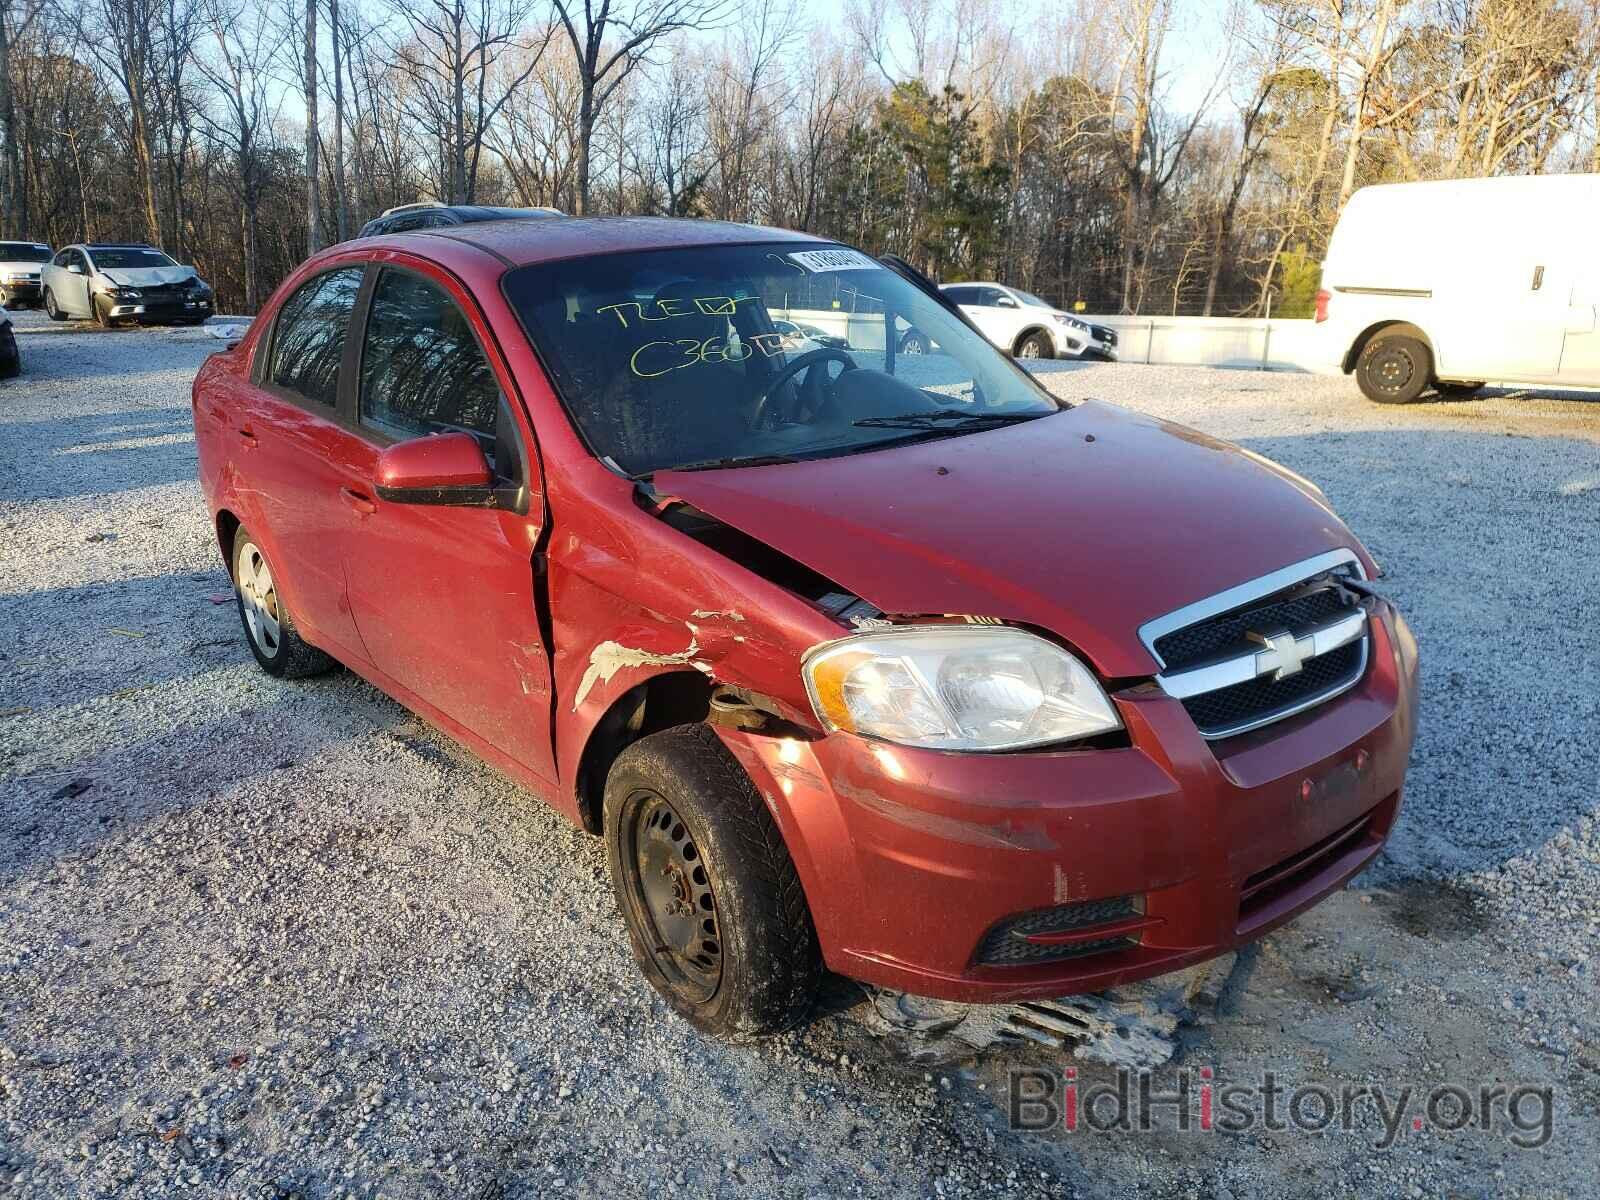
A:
x: 108, y: 258
x: 23, y: 252
x: 719, y: 355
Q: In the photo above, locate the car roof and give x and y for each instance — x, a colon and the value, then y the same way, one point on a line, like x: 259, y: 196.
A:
x: 975, y: 283
x: 518, y: 243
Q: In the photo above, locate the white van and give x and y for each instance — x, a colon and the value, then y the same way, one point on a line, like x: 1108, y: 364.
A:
x: 1463, y: 282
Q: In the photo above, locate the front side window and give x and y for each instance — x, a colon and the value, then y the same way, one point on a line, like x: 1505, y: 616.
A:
x: 308, y: 339
x: 961, y: 295
x: 711, y: 356
x: 422, y: 371
x: 61, y: 259
x: 129, y: 258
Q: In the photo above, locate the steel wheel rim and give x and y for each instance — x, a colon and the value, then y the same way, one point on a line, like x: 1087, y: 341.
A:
x: 672, y: 897
x: 1393, y: 370
x: 258, y: 600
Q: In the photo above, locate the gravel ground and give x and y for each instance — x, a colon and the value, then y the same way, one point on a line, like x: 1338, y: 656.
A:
x: 269, y: 939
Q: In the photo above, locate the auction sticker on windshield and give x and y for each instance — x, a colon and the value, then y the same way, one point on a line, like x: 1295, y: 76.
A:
x: 817, y: 261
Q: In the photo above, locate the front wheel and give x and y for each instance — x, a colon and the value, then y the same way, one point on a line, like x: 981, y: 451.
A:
x: 914, y: 342
x: 715, y: 914
x: 1394, y: 369
x: 51, y: 308
x: 102, y: 313
x: 1036, y: 345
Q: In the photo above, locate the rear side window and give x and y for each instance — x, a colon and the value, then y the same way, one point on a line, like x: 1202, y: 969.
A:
x: 308, y: 340
x: 422, y: 371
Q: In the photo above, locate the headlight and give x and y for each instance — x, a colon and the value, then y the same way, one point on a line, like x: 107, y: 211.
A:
x: 955, y: 687
x: 1071, y: 322
x: 125, y: 293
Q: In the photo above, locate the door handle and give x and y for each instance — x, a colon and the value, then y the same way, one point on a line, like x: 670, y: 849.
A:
x: 247, y: 436
x: 1538, y: 278
x: 362, y: 504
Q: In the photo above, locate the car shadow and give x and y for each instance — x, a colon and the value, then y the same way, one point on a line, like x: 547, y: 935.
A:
x: 102, y: 452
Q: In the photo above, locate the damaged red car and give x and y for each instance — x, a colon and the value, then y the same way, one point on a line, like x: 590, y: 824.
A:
x: 860, y: 651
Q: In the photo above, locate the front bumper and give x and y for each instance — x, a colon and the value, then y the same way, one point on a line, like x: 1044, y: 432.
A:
x: 163, y: 309
x: 28, y: 289
x: 910, y: 858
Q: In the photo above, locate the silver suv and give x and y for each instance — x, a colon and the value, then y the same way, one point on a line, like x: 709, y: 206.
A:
x: 123, y: 281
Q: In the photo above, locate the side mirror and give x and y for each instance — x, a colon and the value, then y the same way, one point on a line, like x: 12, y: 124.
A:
x: 1005, y: 302
x: 75, y: 268
x: 446, y: 468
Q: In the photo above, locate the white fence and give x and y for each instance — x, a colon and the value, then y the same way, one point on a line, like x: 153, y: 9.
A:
x: 1264, y: 345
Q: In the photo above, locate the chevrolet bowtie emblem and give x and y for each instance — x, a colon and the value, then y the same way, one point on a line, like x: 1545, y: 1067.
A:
x: 1282, y: 657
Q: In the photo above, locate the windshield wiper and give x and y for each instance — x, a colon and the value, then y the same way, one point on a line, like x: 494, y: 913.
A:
x: 749, y: 460
x: 941, y: 417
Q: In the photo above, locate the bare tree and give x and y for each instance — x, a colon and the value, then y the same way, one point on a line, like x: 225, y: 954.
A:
x: 609, y: 43
x: 313, y: 140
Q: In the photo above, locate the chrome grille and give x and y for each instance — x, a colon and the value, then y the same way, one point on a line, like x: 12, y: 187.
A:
x: 1265, y: 650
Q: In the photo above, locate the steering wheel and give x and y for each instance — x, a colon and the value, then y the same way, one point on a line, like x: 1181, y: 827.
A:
x: 805, y: 362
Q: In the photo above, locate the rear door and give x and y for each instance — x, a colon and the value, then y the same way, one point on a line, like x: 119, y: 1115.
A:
x: 443, y: 596
x: 290, y: 449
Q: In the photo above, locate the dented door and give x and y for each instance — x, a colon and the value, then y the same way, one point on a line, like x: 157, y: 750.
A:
x: 444, y: 597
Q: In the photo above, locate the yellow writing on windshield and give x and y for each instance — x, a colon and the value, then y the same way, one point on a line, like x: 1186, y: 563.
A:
x: 655, y: 359
x: 665, y: 310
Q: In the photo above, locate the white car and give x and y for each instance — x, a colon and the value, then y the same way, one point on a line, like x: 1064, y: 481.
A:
x: 114, y: 282
x: 20, y: 264
x: 1025, y: 325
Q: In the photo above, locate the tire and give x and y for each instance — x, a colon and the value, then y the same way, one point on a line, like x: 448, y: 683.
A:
x: 268, y: 627
x: 51, y: 309
x: 914, y: 342
x: 1036, y: 345
x: 7, y: 301
x: 102, y: 312
x: 711, y: 899
x: 1394, y: 369
x: 1455, y: 390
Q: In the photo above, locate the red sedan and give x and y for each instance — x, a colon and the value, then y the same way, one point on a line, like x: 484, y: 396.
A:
x: 894, y: 664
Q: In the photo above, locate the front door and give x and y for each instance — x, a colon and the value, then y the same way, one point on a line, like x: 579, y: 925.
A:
x: 72, y: 292
x: 444, y: 597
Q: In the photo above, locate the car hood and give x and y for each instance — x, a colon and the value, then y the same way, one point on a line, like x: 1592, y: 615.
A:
x: 145, y: 276
x: 1087, y: 523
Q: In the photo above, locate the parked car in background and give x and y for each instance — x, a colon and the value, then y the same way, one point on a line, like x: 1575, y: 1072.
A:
x: 1454, y: 283
x: 20, y: 267
x: 810, y: 333
x: 10, y: 358
x: 1028, y: 327
x: 794, y: 628
x: 432, y: 215
x: 118, y: 282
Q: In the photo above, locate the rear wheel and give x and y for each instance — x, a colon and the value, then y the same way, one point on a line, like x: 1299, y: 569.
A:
x: 1394, y: 369
x: 51, y: 308
x: 913, y: 342
x: 715, y: 914
x: 268, y: 627
x: 1036, y: 345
